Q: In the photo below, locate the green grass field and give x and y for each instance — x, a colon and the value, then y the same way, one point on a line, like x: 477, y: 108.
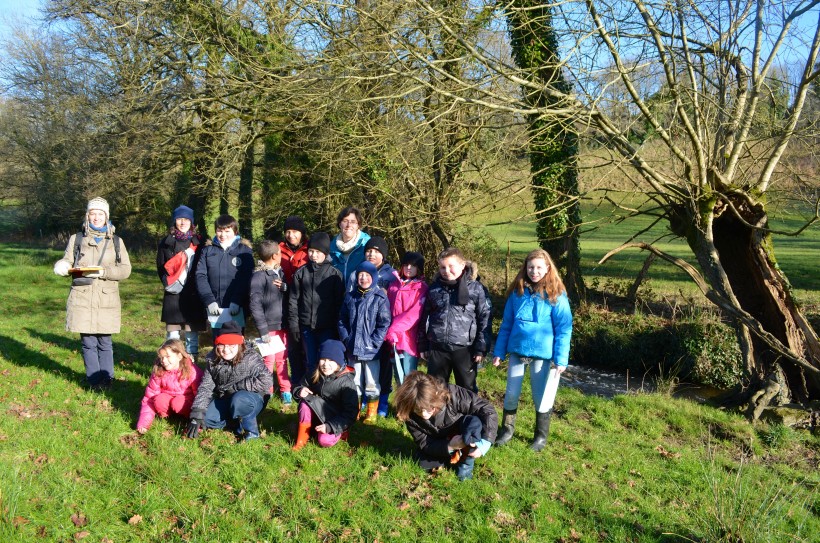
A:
x: 603, y: 231
x: 638, y: 468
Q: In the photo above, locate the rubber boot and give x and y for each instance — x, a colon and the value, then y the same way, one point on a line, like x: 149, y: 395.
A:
x: 542, y: 430
x: 372, y: 410
x: 464, y: 471
x: 507, y: 428
x: 383, y: 405
x: 302, y: 437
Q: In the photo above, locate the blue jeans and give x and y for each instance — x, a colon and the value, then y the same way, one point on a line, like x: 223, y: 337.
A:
x: 311, y: 339
x: 539, y: 374
x: 191, y: 340
x: 242, y: 405
x: 98, y: 357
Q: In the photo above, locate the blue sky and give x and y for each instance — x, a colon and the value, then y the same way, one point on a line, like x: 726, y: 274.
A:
x: 11, y: 10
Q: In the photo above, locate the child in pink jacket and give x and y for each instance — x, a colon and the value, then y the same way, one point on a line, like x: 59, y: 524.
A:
x: 406, y: 304
x: 172, y: 386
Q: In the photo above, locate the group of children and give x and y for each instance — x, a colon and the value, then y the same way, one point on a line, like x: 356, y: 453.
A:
x: 347, y: 333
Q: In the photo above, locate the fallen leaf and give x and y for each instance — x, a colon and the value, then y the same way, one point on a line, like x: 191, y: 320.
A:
x: 81, y: 535
x: 79, y: 520
x: 19, y: 521
x: 136, y: 519
x: 403, y: 506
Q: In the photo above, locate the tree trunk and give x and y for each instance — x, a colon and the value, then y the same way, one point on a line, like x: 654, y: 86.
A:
x: 246, y: 194
x: 747, y: 257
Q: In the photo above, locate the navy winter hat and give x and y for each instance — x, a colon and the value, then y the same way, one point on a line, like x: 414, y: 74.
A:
x: 320, y: 241
x: 183, y: 212
x: 333, y: 349
x: 294, y: 222
x: 378, y: 243
x: 368, y: 268
x: 416, y: 259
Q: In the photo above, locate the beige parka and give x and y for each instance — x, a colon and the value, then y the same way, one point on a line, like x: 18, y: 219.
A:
x: 95, y: 308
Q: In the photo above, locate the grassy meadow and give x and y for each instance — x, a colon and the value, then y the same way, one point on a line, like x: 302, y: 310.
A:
x: 638, y: 467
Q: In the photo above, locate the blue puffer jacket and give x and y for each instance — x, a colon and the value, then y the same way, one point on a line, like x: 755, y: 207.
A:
x: 224, y: 276
x: 347, y: 263
x: 363, y: 323
x: 533, y: 327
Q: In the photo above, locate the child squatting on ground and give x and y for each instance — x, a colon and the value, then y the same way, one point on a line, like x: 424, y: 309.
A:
x: 328, y: 402
x: 363, y: 323
x: 536, y: 329
x: 451, y: 425
x: 172, y: 386
x: 267, y: 295
x: 234, y: 387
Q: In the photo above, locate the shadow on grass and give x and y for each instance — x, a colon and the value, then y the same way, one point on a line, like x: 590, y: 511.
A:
x: 124, y: 395
x: 387, y: 441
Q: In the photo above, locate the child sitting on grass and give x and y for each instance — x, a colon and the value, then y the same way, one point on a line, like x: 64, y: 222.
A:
x: 172, y: 386
x: 267, y: 297
x: 438, y: 415
x: 234, y: 388
x: 328, y: 397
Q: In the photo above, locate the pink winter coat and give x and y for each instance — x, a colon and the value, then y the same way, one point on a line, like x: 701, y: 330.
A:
x: 406, y: 304
x: 168, y: 383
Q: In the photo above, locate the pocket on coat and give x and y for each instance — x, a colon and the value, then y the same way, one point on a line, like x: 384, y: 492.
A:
x: 527, y: 312
x: 109, y: 297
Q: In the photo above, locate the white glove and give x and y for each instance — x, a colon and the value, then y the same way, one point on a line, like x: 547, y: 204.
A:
x: 61, y: 267
x: 266, y: 338
x: 95, y: 275
x: 213, y: 309
x: 234, y: 309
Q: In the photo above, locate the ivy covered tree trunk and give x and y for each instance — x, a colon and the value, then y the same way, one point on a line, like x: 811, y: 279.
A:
x: 553, y: 143
x: 246, y: 194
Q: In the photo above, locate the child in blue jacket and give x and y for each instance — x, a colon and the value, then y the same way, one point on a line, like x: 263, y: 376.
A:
x: 536, y: 329
x: 363, y: 323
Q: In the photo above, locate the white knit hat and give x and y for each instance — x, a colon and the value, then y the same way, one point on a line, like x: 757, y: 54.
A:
x: 98, y: 203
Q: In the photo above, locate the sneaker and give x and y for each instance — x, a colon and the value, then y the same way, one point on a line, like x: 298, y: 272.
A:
x: 250, y: 435
x: 287, y: 398
x: 464, y: 470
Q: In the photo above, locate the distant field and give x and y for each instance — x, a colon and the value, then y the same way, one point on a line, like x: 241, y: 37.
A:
x: 603, y: 232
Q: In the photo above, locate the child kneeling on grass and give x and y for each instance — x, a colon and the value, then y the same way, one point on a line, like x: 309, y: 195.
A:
x: 327, y: 397
x: 439, y: 416
x: 172, y: 386
x: 234, y: 387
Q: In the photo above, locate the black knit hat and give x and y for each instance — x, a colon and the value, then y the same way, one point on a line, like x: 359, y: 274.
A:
x: 332, y: 349
x: 378, y: 243
x: 294, y: 222
x: 320, y: 241
x: 416, y: 259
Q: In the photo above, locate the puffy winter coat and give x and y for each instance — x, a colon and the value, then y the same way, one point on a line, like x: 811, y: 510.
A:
x: 532, y: 326
x: 224, y: 275
x: 386, y: 276
x: 315, y: 297
x: 450, y: 325
x: 171, y: 383
x: 266, y: 299
x: 363, y: 323
x: 433, y: 435
x: 184, y: 307
x: 347, y: 263
x: 95, y: 308
x: 292, y: 260
x: 222, y: 379
x: 406, y: 305
x: 334, y: 399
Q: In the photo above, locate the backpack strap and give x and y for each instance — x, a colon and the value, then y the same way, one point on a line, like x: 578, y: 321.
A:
x: 78, y: 241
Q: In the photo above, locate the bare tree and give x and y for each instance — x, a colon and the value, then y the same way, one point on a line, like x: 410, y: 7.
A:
x: 678, y: 92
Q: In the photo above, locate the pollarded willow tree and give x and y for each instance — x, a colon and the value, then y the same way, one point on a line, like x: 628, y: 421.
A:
x: 680, y: 94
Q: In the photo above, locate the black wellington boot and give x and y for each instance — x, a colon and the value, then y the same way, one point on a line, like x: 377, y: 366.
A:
x: 542, y: 430
x: 507, y: 428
